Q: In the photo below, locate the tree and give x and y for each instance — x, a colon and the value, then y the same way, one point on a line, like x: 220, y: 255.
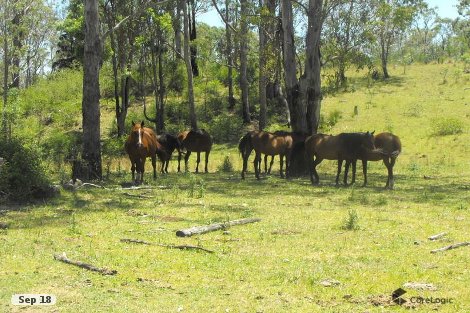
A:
x: 91, y: 90
x: 392, y: 18
x: 187, y: 62
x: 243, y: 40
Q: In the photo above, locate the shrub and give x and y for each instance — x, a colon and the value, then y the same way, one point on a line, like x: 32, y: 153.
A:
x: 328, y: 122
x: 225, y: 128
x: 226, y: 166
x: 447, y: 126
x: 351, y: 221
x: 22, y: 176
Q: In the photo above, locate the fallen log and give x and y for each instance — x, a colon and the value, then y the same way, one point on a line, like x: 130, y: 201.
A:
x: 438, y: 236
x: 213, y: 227
x: 137, y: 196
x: 63, y: 258
x: 454, y: 246
x: 181, y: 247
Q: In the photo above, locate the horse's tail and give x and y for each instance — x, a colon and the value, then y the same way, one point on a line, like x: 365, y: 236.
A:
x: 395, y: 153
x: 245, y: 144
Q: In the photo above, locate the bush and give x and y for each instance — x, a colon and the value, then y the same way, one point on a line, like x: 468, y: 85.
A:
x: 351, y: 221
x: 22, y: 176
x: 328, y: 122
x: 225, y: 128
x: 226, y: 166
x: 447, y: 126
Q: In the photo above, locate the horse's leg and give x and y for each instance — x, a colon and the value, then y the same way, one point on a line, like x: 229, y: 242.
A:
x: 364, y: 171
x: 287, y: 164
x: 392, y: 179
x: 281, y: 163
x: 167, y: 162
x: 245, y: 163
x: 271, y: 164
x: 315, y: 163
x: 179, y: 160
x: 256, y: 164
x: 340, y: 165
x: 389, y: 164
x: 133, y: 170
x: 142, y: 171
x: 186, y: 158
x: 265, y: 163
x: 346, y: 170
x: 197, y: 161
x: 207, y: 161
x: 154, y: 165
x: 353, y: 179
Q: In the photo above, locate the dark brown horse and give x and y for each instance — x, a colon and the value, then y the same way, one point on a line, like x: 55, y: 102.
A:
x: 169, y: 144
x: 245, y: 147
x: 388, y: 148
x: 194, y: 141
x: 141, y: 143
x: 345, y: 146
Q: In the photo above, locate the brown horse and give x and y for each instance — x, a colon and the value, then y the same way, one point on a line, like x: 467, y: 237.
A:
x: 245, y: 147
x: 388, y: 148
x: 194, y: 141
x: 279, y: 143
x: 345, y: 146
x: 141, y: 143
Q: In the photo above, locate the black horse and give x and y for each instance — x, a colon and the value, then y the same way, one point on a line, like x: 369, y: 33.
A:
x: 169, y: 144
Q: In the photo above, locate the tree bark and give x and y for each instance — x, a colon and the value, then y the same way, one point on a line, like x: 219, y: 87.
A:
x: 197, y: 230
x: 244, y: 60
x: 189, y: 70
x: 177, y: 28
x: 229, y: 54
x: 262, y: 67
x: 17, y: 46
x: 293, y: 93
x: 91, y: 91
x: 193, y: 37
x: 5, y: 72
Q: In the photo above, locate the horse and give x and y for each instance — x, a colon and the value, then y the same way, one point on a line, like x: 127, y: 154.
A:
x: 194, y: 141
x: 169, y: 144
x: 345, y: 146
x: 279, y: 143
x: 388, y: 148
x: 141, y: 143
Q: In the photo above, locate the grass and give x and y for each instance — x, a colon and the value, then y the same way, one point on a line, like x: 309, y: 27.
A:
x: 276, y: 265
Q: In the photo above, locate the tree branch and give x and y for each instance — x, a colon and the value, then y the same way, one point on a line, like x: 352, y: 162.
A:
x: 222, y: 16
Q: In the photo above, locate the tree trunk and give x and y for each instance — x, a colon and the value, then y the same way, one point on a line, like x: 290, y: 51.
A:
x: 91, y: 91
x: 384, y: 58
x: 189, y: 70
x: 161, y: 92
x: 17, y: 45
x: 293, y: 94
x: 193, y: 37
x: 229, y: 53
x: 312, y: 85
x: 6, y: 63
x: 262, y: 68
x: 244, y: 60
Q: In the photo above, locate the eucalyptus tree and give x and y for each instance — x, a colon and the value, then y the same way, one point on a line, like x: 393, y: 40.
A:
x: 391, y: 19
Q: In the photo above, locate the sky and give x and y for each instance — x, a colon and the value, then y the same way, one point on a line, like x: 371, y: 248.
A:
x: 445, y: 8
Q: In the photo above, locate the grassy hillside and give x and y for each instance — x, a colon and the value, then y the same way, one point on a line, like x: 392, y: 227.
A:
x: 370, y: 240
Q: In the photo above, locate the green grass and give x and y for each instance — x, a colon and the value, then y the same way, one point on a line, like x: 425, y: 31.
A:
x: 278, y: 264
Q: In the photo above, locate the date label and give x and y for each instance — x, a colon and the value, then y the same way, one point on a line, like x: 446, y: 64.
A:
x: 33, y: 299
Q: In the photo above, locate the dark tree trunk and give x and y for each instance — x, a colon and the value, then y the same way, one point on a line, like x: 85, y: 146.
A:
x: 177, y: 28
x: 187, y: 62
x: 17, y: 46
x: 161, y: 92
x: 91, y: 91
x: 193, y: 37
x: 384, y: 59
x: 244, y: 60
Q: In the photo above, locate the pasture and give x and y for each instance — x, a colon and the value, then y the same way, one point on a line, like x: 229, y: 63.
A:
x: 317, y: 248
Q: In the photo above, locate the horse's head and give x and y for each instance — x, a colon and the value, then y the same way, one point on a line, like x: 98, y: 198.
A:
x: 368, y: 140
x: 137, y: 133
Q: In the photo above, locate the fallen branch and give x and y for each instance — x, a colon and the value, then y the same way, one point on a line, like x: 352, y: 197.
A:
x: 137, y: 196
x: 181, y: 247
x: 438, y: 236
x: 63, y: 258
x: 91, y: 185
x: 213, y: 227
x: 454, y: 246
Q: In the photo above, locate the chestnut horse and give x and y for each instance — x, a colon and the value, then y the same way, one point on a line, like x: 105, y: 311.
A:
x: 345, y: 146
x: 388, y: 148
x: 194, y: 141
x: 169, y: 143
x: 279, y: 143
x: 141, y: 143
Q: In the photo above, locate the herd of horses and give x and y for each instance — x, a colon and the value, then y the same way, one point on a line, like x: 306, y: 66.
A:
x: 143, y: 142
